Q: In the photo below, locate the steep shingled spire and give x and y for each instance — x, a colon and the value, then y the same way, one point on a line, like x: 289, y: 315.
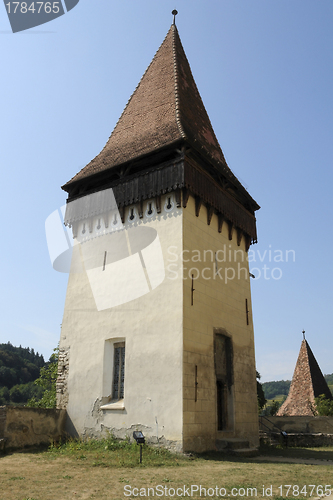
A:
x: 307, y: 384
x: 165, y: 109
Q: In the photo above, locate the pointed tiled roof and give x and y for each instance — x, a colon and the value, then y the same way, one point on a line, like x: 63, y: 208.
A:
x: 164, y: 109
x: 307, y: 384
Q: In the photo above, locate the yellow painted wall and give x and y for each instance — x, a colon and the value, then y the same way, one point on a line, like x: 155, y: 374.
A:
x: 218, y: 303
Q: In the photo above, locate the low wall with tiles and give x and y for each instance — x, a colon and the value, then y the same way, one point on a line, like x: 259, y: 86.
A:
x: 304, y: 425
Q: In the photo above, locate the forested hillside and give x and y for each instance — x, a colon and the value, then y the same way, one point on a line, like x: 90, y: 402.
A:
x: 278, y: 388
x: 329, y: 380
x: 19, y: 367
x: 281, y: 387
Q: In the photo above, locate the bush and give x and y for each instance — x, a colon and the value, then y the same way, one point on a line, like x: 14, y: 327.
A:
x: 271, y: 409
x: 4, y: 394
x: 47, y: 381
x: 324, y: 406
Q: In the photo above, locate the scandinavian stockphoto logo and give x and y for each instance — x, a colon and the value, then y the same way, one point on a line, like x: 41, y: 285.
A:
x: 122, y: 264
x: 26, y: 15
x: 227, y: 264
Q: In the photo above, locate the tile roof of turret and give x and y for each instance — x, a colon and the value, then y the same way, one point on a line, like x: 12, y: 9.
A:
x: 308, y: 383
x: 166, y: 107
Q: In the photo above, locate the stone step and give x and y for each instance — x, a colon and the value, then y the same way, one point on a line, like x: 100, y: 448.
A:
x: 245, y: 452
x: 270, y: 438
x: 231, y: 444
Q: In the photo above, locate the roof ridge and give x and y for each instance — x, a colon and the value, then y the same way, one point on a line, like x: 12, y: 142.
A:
x: 222, y: 161
x: 317, y: 376
x: 175, y: 70
x: 138, y: 85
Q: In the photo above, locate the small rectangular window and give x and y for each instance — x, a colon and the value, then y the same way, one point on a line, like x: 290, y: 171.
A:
x: 118, y: 370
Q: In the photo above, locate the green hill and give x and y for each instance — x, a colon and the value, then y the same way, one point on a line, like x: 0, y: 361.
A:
x: 19, y: 367
x: 329, y: 380
x: 278, y: 389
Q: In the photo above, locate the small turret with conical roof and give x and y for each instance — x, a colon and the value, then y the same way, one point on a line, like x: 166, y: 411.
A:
x: 307, y: 383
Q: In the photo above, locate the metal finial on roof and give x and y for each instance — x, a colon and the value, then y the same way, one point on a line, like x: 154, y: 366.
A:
x: 303, y: 331
x: 174, y: 12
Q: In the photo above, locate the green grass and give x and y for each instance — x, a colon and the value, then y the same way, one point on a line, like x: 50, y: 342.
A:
x: 110, y: 452
x: 101, y: 470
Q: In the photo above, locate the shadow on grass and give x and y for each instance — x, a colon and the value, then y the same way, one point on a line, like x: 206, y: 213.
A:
x: 219, y: 456
x: 36, y: 450
x: 322, y: 453
x: 112, y: 453
x: 290, y: 453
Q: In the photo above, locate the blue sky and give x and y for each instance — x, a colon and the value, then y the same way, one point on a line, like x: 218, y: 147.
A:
x: 265, y: 72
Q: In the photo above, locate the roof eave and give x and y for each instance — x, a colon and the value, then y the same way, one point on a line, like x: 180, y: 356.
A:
x: 70, y: 185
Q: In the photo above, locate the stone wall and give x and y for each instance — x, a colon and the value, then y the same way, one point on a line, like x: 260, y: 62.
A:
x: 310, y: 440
x: 309, y: 425
x: 62, y: 380
x: 31, y: 426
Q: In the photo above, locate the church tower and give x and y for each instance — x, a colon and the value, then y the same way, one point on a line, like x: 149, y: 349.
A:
x: 157, y: 333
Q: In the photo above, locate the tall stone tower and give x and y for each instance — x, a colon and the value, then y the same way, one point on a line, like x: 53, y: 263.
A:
x: 157, y: 333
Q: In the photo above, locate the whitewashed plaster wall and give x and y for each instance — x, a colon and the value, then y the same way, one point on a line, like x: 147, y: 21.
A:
x: 152, y: 327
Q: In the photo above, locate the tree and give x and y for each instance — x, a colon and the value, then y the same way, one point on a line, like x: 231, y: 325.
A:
x: 271, y: 408
x: 8, y: 376
x: 276, y: 388
x: 274, y: 408
x: 260, y: 393
x: 18, y: 365
x: 20, y: 393
x: 47, y: 380
x: 324, y: 406
x: 4, y: 395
